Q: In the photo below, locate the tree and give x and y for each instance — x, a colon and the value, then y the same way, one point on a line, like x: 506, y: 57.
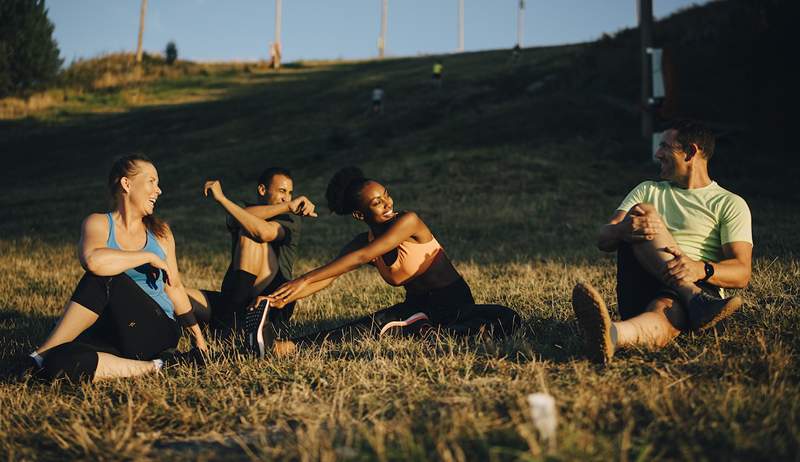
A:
x: 171, y: 53
x: 29, y: 56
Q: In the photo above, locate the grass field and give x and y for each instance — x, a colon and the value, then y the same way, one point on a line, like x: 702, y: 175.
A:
x: 513, y: 178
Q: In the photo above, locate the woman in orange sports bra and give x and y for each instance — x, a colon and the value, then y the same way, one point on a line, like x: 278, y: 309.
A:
x: 405, y: 253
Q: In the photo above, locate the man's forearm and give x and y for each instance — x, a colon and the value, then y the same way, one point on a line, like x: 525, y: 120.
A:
x: 265, y: 212
x: 730, y: 274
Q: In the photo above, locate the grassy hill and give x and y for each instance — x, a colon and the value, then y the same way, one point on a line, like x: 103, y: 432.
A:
x: 512, y: 164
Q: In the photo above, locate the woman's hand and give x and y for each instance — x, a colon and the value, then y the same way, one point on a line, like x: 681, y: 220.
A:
x: 215, y: 187
x: 288, y: 289
x: 159, y: 264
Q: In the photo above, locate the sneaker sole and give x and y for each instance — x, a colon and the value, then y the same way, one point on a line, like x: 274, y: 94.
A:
x: 406, y: 322
x: 733, y: 304
x: 592, y: 314
x: 255, y: 326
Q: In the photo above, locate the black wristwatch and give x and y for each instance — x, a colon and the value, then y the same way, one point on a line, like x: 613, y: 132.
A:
x: 709, y: 271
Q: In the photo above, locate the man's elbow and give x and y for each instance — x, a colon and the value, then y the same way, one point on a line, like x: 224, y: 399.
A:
x: 744, y: 281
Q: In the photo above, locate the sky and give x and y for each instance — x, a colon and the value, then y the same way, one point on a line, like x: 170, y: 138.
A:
x: 227, y: 30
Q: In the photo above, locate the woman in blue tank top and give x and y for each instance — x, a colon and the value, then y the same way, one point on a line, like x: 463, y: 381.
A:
x: 123, y: 318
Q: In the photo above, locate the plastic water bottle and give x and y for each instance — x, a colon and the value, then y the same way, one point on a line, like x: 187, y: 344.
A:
x: 545, y: 417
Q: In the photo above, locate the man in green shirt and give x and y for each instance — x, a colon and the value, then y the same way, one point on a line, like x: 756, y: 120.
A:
x: 679, y: 243
x: 264, y: 240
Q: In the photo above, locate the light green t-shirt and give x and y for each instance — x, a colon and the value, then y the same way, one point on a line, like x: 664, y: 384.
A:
x: 701, y: 220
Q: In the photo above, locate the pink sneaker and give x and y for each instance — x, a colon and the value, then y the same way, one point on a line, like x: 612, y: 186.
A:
x: 414, y: 324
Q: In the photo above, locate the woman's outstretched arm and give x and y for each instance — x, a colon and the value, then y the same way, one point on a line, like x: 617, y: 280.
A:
x: 405, y: 227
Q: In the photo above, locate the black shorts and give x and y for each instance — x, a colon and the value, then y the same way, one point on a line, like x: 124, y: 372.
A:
x: 636, y: 287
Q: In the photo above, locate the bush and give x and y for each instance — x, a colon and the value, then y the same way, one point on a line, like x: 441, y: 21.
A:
x: 171, y: 53
x: 29, y: 56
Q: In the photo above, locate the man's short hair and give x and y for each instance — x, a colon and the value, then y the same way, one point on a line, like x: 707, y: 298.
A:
x: 692, y: 132
x: 266, y: 176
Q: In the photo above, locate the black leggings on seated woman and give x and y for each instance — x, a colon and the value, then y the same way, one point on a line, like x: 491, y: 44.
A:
x: 450, y: 308
x: 130, y: 325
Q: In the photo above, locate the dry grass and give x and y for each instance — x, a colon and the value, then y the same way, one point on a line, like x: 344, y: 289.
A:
x: 513, y: 185
x: 732, y: 393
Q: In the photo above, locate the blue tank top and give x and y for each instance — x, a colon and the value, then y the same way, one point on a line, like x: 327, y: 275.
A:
x: 143, y: 275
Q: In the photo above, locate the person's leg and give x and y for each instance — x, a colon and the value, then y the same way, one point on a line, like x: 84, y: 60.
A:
x: 704, y: 310
x: 80, y: 312
x: 663, y: 320
x: 497, y: 320
x: 79, y: 360
x: 75, y: 320
x: 365, y: 326
x: 652, y: 256
x: 201, y: 304
x: 114, y: 367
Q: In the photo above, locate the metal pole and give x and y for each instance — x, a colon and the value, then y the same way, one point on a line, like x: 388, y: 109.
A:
x: 646, y: 32
x: 382, y: 38
x: 142, y: 11
x: 520, y: 18
x: 460, y: 25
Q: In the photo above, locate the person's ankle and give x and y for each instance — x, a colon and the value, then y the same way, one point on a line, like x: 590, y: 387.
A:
x: 614, y: 336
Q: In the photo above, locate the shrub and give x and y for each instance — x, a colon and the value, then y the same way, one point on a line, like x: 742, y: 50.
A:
x: 171, y: 53
x: 29, y: 56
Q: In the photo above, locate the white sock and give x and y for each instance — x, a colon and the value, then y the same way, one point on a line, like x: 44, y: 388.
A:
x: 37, y: 358
x: 158, y: 363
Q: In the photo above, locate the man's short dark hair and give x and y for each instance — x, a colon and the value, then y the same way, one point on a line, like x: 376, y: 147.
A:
x: 266, y: 176
x: 692, y: 132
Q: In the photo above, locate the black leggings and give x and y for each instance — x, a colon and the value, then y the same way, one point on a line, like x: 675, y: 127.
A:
x: 226, y: 309
x: 450, y: 308
x: 130, y: 325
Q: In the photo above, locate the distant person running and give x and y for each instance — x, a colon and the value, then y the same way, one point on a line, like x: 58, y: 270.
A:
x: 405, y: 253
x: 264, y: 242
x: 678, y: 242
x: 123, y: 318
x: 438, y: 70
x: 377, y: 100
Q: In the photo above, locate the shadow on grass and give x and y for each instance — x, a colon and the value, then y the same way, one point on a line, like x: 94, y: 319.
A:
x: 19, y: 332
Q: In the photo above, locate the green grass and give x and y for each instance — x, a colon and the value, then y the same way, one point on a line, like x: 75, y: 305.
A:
x: 514, y: 183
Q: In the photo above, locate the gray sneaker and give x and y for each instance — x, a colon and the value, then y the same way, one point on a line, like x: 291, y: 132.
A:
x: 592, y: 314
x: 706, y: 310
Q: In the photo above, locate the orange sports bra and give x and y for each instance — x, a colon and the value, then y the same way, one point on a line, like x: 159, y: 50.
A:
x: 413, y: 259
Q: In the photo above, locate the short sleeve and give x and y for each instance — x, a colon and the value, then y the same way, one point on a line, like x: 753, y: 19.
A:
x: 291, y: 227
x: 736, y: 222
x: 636, y: 196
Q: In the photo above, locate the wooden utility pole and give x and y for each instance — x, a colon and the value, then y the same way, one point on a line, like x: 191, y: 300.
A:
x: 276, y: 46
x: 141, y: 31
x: 520, y: 18
x: 460, y: 25
x: 646, y: 34
x: 382, y: 38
